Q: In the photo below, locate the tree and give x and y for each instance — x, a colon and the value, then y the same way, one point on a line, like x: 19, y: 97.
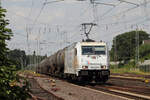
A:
x: 145, y: 51
x: 21, y: 60
x: 5, y: 34
x: 18, y: 57
x: 9, y: 90
x: 124, y: 45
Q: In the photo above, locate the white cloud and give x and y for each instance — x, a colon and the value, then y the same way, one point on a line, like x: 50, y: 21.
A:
x: 71, y: 1
x: 17, y: 0
x: 51, y: 16
x: 70, y: 12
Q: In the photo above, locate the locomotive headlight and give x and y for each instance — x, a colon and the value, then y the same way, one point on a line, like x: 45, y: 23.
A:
x: 84, y: 67
x: 103, y: 67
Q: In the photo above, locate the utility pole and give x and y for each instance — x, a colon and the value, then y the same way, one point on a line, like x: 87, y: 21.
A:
x: 28, y: 31
x: 115, y: 55
x: 84, y: 26
x: 137, y: 47
x: 21, y: 60
x: 95, y: 12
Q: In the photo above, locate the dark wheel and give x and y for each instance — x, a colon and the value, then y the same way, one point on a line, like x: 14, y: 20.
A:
x: 105, y: 79
x: 79, y: 79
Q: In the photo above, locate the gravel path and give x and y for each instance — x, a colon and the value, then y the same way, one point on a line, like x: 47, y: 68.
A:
x: 37, y: 91
x: 70, y: 91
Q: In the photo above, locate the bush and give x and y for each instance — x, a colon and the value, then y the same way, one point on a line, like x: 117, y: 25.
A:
x: 12, y: 87
x: 145, y: 51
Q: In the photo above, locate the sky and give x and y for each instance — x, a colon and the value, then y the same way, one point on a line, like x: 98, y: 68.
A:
x: 46, y: 26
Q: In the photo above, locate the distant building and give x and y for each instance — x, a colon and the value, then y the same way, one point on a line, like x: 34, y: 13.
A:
x: 114, y: 63
x: 146, y: 62
x: 145, y: 66
x: 146, y: 41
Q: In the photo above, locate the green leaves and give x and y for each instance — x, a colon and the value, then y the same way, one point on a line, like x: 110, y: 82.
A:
x: 145, y: 51
x: 124, y: 45
x: 12, y: 87
x: 9, y: 84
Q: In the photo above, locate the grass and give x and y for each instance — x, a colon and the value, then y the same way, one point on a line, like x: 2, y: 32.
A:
x: 128, y: 70
x: 28, y: 72
x: 147, y: 56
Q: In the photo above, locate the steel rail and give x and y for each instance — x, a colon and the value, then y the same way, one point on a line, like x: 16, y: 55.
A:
x: 129, y: 95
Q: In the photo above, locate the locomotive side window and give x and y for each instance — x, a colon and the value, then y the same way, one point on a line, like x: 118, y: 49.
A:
x: 75, y: 51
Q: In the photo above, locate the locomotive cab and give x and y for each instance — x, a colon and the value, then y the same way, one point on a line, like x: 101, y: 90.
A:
x: 89, y: 61
x: 94, y: 60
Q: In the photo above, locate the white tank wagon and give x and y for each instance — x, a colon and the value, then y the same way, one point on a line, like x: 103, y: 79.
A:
x: 82, y: 61
x: 43, y: 66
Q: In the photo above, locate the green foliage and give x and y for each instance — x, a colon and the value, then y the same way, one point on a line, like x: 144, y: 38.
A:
x: 128, y: 68
x: 5, y: 34
x: 124, y: 45
x: 125, y: 70
x: 34, y: 59
x: 145, y: 51
x: 18, y: 58
x: 21, y: 60
x: 10, y: 82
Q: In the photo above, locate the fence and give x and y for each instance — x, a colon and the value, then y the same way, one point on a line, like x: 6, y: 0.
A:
x: 144, y: 68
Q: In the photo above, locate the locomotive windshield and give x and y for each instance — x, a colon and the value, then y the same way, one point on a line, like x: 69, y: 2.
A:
x: 93, y: 50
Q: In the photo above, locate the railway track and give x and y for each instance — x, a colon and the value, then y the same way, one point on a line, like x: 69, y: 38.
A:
x: 131, y: 88
x: 128, y: 76
x: 131, y: 92
x: 128, y: 91
x: 139, y: 91
x: 39, y: 93
x: 120, y: 91
x: 35, y: 97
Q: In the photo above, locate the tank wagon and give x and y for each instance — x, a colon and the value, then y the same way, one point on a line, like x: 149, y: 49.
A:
x: 80, y: 61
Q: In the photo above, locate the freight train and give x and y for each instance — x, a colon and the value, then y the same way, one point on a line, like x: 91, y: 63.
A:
x: 81, y: 61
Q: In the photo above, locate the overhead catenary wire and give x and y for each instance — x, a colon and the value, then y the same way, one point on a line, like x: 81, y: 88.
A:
x: 36, y: 19
x: 27, y: 18
x: 125, y: 11
x: 111, y: 9
x: 31, y: 8
x: 123, y: 30
x: 107, y: 4
x: 121, y: 22
x: 43, y: 5
x: 105, y: 18
x: 51, y: 2
x: 129, y: 2
x: 146, y: 14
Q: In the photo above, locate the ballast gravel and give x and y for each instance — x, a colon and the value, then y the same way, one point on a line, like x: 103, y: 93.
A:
x: 69, y: 91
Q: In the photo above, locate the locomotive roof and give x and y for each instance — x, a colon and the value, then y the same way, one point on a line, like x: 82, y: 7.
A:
x: 93, y: 43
